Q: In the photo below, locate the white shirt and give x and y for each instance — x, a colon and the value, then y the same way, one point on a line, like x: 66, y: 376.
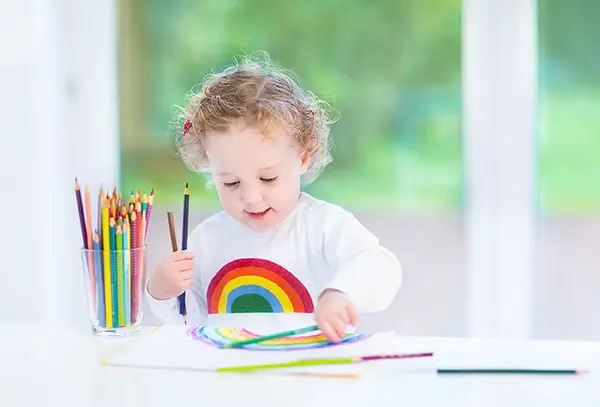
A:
x: 271, y: 280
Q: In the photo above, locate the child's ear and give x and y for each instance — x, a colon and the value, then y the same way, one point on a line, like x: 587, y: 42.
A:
x: 305, y: 161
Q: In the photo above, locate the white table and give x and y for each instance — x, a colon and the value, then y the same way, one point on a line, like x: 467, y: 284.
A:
x: 43, y: 366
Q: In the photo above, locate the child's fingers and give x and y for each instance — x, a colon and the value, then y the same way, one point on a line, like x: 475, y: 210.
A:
x: 340, y: 326
x: 187, y: 284
x: 354, y: 318
x: 184, y: 265
x: 187, y: 274
x: 182, y: 255
x: 329, y: 331
x: 343, y: 315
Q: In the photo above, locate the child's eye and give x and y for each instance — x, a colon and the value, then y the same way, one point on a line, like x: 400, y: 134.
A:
x: 231, y: 184
x: 268, y: 180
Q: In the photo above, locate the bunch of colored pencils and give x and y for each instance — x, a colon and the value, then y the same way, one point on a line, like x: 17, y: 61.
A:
x: 114, y: 253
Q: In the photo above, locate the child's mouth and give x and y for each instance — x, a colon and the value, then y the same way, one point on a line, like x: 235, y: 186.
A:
x: 258, y: 215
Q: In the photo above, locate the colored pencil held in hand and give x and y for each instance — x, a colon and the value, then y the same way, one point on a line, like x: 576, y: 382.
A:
x: 114, y: 260
x: 184, y: 238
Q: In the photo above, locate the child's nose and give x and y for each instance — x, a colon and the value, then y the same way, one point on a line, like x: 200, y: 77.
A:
x: 252, y: 194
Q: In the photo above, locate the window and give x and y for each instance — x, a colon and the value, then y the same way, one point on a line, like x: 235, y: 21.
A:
x: 393, y: 71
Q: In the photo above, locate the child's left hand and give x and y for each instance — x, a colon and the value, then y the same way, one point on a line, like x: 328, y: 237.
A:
x: 334, y: 313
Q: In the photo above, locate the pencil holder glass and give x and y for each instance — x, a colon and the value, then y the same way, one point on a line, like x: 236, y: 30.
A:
x: 114, y: 280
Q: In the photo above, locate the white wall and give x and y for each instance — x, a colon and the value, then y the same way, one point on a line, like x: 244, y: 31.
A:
x: 499, y: 118
x: 58, y: 120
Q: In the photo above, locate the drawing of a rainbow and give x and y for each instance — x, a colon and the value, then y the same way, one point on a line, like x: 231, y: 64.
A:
x: 256, y: 285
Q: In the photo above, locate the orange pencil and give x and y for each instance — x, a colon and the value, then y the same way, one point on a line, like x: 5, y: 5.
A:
x: 90, y: 245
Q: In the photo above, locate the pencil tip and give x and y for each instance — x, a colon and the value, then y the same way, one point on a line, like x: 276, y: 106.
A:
x: 186, y: 184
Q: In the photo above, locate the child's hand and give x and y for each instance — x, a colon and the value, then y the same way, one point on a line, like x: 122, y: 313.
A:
x: 174, y: 275
x: 334, y: 313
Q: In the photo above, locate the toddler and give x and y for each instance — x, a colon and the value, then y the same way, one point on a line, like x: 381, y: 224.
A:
x: 275, y: 258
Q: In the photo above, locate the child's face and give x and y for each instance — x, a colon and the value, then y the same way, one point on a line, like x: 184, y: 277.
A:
x: 257, y: 177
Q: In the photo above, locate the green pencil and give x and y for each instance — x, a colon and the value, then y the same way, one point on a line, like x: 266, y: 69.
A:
x: 510, y: 371
x: 305, y: 362
x: 120, y: 282
x: 324, y: 361
x: 269, y: 337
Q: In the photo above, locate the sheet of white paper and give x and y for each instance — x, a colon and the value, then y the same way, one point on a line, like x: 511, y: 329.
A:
x: 170, y: 347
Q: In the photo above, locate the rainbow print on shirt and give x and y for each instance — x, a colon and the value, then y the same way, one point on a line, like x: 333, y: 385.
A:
x: 256, y: 285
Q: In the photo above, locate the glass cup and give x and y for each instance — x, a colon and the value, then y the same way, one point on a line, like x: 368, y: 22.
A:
x: 114, y: 281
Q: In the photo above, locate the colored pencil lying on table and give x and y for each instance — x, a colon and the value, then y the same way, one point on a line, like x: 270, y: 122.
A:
x: 278, y: 335
x: 317, y: 362
x: 184, y: 235
x: 511, y: 371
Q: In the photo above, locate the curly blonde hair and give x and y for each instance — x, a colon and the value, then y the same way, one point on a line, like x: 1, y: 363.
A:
x: 259, y: 93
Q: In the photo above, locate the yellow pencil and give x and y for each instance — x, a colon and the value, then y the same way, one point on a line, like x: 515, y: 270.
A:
x: 106, y: 255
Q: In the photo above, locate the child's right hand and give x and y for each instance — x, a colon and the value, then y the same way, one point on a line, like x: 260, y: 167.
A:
x: 173, y: 276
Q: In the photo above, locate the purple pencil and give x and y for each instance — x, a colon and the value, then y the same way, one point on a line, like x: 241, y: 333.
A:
x: 81, y: 214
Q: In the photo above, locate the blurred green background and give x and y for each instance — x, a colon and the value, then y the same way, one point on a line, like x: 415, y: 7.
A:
x: 569, y: 106
x: 392, y: 68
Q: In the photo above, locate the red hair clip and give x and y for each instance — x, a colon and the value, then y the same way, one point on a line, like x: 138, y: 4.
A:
x: 186, y: 127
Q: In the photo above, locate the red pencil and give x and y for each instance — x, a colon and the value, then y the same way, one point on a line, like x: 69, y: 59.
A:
x: 393, y: 356
x: 135, y: 264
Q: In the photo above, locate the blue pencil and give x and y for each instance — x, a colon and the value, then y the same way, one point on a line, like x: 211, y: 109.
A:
x: 184, y: 237
x: 113, y: 271
x: 99, y: 280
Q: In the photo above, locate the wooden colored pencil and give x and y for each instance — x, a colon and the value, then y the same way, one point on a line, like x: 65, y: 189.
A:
x: 106, y: 256
x: 81, y: 214
x: 89, y: 246
x: 149, y: 209
x: 318, y: 362
x: 186, y: 210
x: 278, y: 335
x: 144, y: 202
x: 134, y: 265
x: 172, y: 231
x: 127, y: 273
x: 120, y: 279
x: 143, y: 228
x: 140, y: 254
x: 100, y: 202
x: 511, y: 371
x: 99, y: 285
x: 113, y: 272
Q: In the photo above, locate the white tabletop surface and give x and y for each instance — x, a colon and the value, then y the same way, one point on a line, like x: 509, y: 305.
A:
x: 44, y: 366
